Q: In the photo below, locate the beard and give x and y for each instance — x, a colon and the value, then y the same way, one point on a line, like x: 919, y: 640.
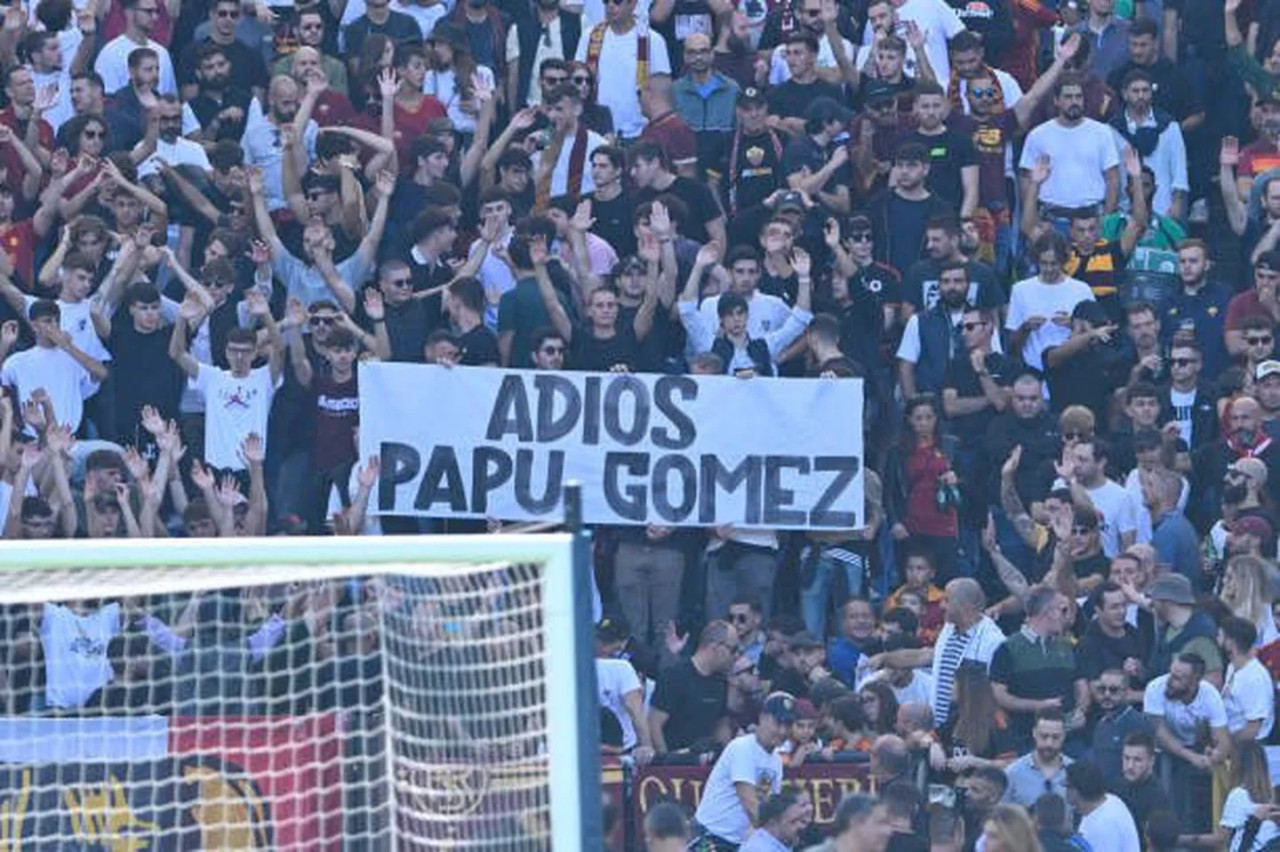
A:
x: 1235, y: 493
x: 739, y: 45
x: 1073, y: 113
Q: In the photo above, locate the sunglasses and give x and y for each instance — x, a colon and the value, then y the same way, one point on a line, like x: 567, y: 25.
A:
x: 1183, y: 362
x: 1111, y: 690
x: 1258, y: 341
x: 579, y: 81
x: 985, y: 92
x: 93, y: 134
x: 318, y: 321
x: 228, y: 13
x: 399, y: 282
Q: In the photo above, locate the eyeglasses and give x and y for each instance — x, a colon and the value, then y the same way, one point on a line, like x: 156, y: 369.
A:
x: 319, y: 321
x: 228, y: 13
x: 985, y: 92
x: 1258, y: 341
x: 970, y: 326
x: 1183, y: 362
x: 399, y: 282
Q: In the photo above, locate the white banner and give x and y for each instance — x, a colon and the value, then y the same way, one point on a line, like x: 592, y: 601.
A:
x: 647, y: 448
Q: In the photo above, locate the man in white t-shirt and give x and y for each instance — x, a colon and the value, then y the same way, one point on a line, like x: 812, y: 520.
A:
x: 1087, y: 469
x: 74, y: 643
x: 112, y: 64
x: 171, y: 146
x: 67, y: 373
x: 237, y: 401
x: 1085, y: 162
x: 747, y: 772
x: 1183, y: 707
x: 612, y: 50
x: 936, y: 20
x: 1248, y: 693
x: 571, y: 173
x: 1105, y: 820
x: 1040, y: 308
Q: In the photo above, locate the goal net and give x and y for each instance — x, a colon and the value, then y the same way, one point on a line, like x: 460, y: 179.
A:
x: 338, y: 694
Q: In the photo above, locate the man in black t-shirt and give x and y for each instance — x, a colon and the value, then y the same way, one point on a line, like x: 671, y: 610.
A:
x: 464, y: 302
x: 975, y: 389
x: 953, y: 162
x: 755, y: 153
x: 144, y: 375
x: 652, y: 175
x: 789, y: 102
x: 816, y: 162
x: 691, y: 696
x: 612, y: 207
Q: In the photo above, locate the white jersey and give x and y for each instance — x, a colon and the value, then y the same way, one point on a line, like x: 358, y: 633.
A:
x: 75, y: 652
x: 743, y: 761
x: 615, y: 680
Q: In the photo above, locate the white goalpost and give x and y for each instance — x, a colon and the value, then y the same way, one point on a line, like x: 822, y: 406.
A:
x: 381, y: 693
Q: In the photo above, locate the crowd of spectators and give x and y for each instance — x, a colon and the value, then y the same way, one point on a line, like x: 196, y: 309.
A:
x: 1046, y: 237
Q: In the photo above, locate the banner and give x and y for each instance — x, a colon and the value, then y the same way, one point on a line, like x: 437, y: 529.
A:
x: 648, y: 449
x: 231, y: 784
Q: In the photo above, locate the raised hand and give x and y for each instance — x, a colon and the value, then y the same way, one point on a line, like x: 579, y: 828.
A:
x: 257, y: 303
x: 1068, y: 48
x: 367, y: 476
x: 228, y: 491
x: 253, y: 450
x: 1010, y: 466
x: 801, y: 262
x: 708, y: 255
x: 1229, y: 153
x: 8, y: 331
x: 388, y: 82
x: 201, y: 476
x: 136, y: 464
x: 386, y: 183
x: 525, y: 118
x: 255, y: 181
x: 60, y: 439
x: 582, y: 219
x: 660, y: 221
x: 649, y: 249
x: 831, y: 233
x: 374, y: 308
x: 1132, y: 162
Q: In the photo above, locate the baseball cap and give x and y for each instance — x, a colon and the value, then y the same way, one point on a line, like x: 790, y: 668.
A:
x: 1266, y: 368
x: 781, y: 706
x: 1255, y: 469
x: 1253, y: 525
x: 827, y: 109
x: 1174, y: 588
x: 613, y: 629
x: 789, y: 200
x: 750, y: 96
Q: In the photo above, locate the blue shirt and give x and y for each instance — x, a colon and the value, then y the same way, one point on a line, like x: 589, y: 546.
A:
x: 1176, y: 544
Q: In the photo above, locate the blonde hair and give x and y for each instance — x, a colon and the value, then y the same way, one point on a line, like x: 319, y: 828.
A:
x: 1077, y: 418
x: 1251, y: 597
x: 1011, y: 827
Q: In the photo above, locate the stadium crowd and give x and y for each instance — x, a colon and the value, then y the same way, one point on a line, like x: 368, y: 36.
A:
x: 1045, y: 236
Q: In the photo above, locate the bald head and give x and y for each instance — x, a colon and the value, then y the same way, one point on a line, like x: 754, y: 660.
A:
x: 964, y: 598
x: 889, y: 755
x: 698, y: 41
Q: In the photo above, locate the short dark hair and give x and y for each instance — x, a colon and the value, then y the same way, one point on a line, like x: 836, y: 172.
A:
x: 1085, y: 778
x: 1239, y: 630
x: 852, y: 809
x: 138, y: 54
x: 243, y: 336
x: 911, y: 152
x: 617, y: 157
x: 1140, y: 739
x: 646, y: 150
x: 1050, y: 811
x: 42, y: 308
x: 141, y: 293
x: 428, y: 222
x: 542, y: 335
x: 801, y: 37
x: 666, y: 821
x: 1163, y: 829
x: 1143, y: 26
x: 776, y: 806
x: 1191, y: 658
